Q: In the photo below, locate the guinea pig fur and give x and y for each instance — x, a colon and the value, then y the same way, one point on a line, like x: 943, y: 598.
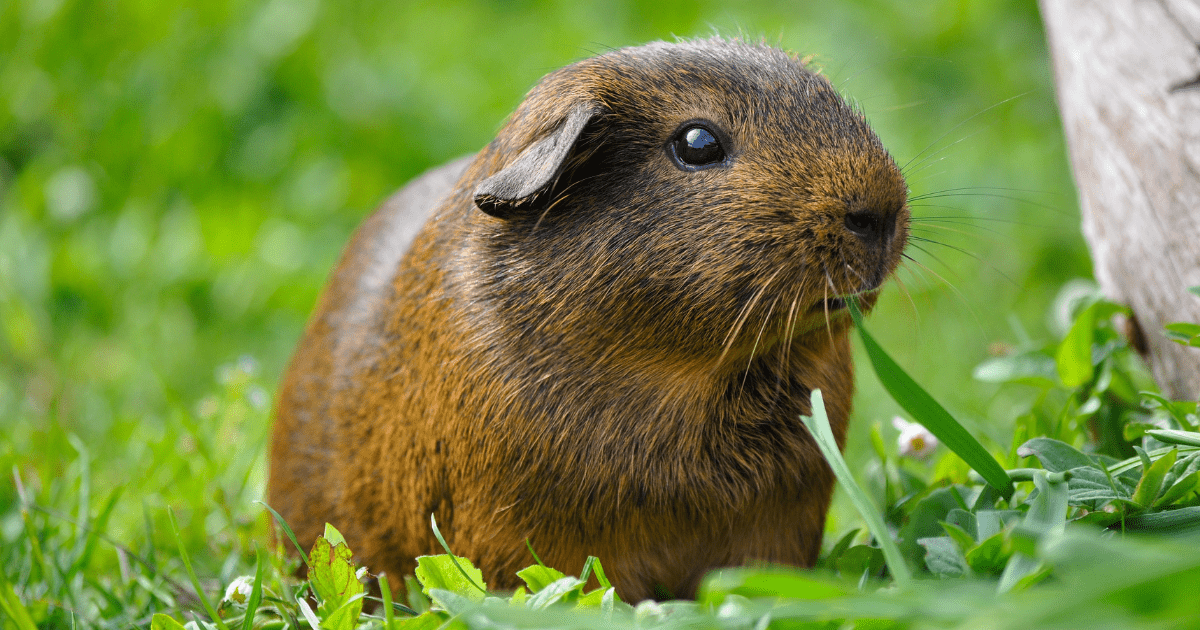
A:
x: 600, y: 332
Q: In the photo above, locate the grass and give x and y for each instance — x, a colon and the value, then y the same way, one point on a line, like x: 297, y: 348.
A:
x: 108, y: 563
x: 1059, y: 551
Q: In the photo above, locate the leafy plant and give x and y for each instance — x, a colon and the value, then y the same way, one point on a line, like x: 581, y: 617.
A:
x: 1020, y: 546
x: 914, y: 399
x: 940, y: 549
x: 1185, y: 333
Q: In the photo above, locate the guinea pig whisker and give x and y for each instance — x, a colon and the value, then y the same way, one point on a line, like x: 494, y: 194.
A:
x: 908, y: 296
x: 913, y: 181
x: 825, y: 301
x: 908, y: 105
x: 864, y: 284
x: 743, y: 315
x: 1007, y: 189
x: 963, y: 219
x: 954, y: 289
x: 964, y: 215
x: 942, y: 194
x: 934, y: 232
x: 913, y: 242
x: 766, y: 320
x: 937, y: 229
x: 941, y: 223
x: 903, y: 169
x: 923, y: 270
x: 938, y: 234
x: 785, y: 331
x: 918, y: 271
x: 790, y: 329
x: 862, y: 280
x: 961, y: 251
x: 737, y: 322
x: 928, y: 161
x: 944, y: 281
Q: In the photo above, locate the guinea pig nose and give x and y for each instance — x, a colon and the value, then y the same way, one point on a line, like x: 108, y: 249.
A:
x: 865, y: 224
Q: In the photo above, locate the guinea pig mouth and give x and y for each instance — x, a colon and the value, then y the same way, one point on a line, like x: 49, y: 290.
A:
x: 837, y: 303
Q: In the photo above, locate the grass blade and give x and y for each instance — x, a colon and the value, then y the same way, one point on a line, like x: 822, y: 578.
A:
x: 1181, y: 521
x: 187, y: 564
x: 151, y: 559
x: 533, y: 553
x: 924, y: 409
x: 587, y: 569
x: 598, y: 569
x: 96, y: 530
x: 17, y: 614
x: 818, y: 426
x: 287, y: 530
x: 26, y: 503
x: 385, y: 591
x: 438, y: 534
x: 1172, y: 436
x: 256, y: 594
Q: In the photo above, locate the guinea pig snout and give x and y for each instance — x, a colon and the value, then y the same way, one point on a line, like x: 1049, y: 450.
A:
x: 871, y: 251
x: 873, y: 228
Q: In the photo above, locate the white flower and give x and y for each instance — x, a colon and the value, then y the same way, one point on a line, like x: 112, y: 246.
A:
x: 649, y: 612
x: 362, y: 572
x: 240, y: 589
x: 733, y: 606
x: 915, y: 440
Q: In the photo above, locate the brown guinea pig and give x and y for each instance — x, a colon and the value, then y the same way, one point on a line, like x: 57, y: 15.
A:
x: 599, y: 333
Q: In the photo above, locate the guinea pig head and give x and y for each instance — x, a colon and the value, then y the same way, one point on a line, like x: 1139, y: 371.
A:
x: 691, y: 198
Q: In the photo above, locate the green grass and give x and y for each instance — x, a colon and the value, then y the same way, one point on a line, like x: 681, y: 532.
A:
x: 177, y: 180
x: 1060, y: 551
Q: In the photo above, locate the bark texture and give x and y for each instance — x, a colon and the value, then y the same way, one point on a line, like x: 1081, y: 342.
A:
x: 1128, y: 80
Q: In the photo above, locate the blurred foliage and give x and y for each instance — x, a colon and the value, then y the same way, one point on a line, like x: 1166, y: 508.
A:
x: 176, y: 180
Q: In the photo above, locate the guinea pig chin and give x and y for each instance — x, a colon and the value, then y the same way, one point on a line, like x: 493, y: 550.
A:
x: 861, y: 279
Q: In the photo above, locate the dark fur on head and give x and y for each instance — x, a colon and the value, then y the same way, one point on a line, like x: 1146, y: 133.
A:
x: 612, y: 357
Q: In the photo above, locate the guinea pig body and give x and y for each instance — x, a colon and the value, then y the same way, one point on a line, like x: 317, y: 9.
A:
x: 603, y: 336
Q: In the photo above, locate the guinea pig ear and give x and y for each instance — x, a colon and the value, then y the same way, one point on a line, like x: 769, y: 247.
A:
x: 523, y: 181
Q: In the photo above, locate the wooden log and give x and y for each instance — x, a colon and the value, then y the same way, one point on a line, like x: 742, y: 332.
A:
x: 1128, y: 81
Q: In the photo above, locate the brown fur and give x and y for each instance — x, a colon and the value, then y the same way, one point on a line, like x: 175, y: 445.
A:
x: 615, y: 363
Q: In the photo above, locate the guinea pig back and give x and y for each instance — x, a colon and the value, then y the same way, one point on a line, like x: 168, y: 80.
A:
x: 599, y: 333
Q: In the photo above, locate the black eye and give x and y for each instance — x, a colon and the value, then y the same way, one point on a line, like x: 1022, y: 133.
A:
x: 696, y: 147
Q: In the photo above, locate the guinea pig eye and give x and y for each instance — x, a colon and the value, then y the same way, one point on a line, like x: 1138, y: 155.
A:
x: 695, y: 147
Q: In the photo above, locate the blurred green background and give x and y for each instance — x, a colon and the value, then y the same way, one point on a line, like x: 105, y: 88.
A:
x: 177, y: 179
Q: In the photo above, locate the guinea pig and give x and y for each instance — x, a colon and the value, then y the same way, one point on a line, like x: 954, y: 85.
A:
x: 599, y: 333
